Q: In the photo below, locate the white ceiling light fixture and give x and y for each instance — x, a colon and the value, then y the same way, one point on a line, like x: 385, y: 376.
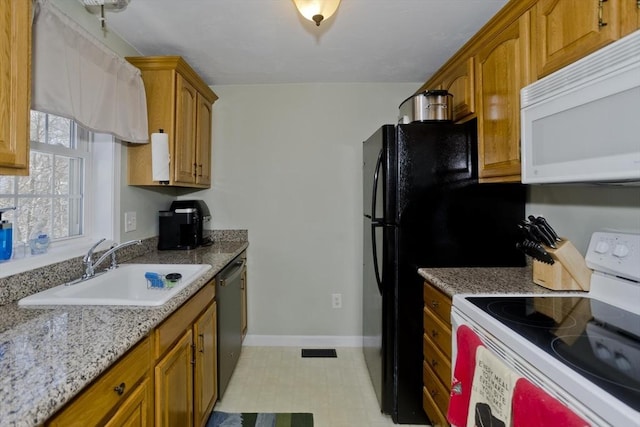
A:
x: 317, y: 10
x: 95, y: 6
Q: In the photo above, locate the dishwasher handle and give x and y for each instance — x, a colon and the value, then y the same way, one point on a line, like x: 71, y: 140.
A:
x: 232, y: 272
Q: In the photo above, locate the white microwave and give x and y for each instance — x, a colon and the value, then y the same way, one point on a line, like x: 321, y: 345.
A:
x: 582, y: 123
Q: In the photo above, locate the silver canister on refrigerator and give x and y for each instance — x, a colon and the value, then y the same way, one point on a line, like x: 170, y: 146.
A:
x: 430, y: 105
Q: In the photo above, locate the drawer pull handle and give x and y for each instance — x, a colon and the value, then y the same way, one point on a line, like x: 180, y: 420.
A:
x: 601, y: 22
x: 434, y: 304
x: 433, y: 393
x: 434, y: 333
x: 201, y: 343
x: 434, y: 362
x: 120, y: 389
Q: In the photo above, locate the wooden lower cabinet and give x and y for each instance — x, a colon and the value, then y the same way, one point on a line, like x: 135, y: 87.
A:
x: 205, y: 369
x: 437, y: 354
x: 186, y: 371
x: 174, y: 385
x: 168, y: 379
x: 134, y: 412
x: 113, y: 393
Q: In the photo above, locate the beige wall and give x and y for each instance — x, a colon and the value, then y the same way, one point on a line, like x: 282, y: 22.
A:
x: 576, y: 211
x: 287, y: 167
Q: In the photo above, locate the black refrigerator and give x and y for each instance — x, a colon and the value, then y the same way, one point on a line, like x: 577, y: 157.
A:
x: 423, y: 207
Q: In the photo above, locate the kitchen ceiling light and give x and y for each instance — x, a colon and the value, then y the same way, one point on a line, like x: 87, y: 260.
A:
x: 99, y: 6
x: 317, y: 10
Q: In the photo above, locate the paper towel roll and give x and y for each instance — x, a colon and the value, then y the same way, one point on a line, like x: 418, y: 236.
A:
x: 160, y: 156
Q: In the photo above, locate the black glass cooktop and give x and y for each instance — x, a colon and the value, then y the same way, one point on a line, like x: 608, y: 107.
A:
x: 599, y: 341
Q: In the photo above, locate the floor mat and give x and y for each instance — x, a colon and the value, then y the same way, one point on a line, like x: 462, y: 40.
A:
x: 262, y: 419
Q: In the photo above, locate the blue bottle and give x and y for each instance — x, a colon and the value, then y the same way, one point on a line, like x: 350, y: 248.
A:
x: 6, y: 236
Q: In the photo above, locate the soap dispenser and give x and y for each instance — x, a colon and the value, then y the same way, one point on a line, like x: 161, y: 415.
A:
x: 6, y: 236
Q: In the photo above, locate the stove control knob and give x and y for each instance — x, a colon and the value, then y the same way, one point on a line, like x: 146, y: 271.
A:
x: 621, y: 251
x: 622, y: 362
x: 602, y: 351
x: 602, y: 247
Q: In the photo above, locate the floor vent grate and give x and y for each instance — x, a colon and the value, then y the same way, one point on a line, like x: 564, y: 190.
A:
x: 319, y: 352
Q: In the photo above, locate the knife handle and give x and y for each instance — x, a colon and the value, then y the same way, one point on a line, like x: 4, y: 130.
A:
x: 550, y: 229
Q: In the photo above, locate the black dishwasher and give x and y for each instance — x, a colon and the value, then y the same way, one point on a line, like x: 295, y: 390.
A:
x: 229, y: 296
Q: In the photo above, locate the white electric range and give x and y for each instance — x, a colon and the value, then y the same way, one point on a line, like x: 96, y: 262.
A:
x: 583, y: 349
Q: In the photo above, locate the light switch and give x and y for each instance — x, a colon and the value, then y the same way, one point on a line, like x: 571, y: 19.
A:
x: 130, y: 221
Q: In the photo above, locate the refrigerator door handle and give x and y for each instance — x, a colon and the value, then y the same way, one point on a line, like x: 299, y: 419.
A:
x: 374, y: 194
x: 374, y: 248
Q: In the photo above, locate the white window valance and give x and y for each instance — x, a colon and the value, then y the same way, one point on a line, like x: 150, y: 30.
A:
x: 78, y: 77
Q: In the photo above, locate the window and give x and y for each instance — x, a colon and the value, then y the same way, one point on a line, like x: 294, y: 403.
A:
x: 52, y: 196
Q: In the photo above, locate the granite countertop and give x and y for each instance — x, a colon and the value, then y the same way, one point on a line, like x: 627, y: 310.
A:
x: 49, y: 354
x: 485, y: 280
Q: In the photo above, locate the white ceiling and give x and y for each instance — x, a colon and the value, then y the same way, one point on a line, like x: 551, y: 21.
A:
x: 267, y: 41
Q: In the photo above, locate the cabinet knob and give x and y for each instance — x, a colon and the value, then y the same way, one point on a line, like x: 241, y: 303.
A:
x: 434, y: 362
x: 120, y: 389
x: 434, y: 304
x: 434, y: 333
x: 433, y: 393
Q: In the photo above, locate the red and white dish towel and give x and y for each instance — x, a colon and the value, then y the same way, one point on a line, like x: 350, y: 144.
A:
x: 485, y: 392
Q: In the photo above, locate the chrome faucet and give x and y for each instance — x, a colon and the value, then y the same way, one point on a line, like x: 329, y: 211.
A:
x: 90, y: 266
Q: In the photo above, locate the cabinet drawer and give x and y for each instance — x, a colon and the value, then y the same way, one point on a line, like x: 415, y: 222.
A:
x: 438, y: 362
x: 438, y: 332
x: 435, y: 390
x: 108, y: 391
x: 438, y: 303
x: 173, y: 328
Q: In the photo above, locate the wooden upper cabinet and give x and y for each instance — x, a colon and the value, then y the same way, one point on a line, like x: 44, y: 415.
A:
x: 567, y: 30
x: 629, y: 17
x: 203, y: 142
x: 180, y: 103
x: 457, y: 78
x: 185, y: 143
x: 15, y: 86
x: 502, y: 69
x: 459, y: 82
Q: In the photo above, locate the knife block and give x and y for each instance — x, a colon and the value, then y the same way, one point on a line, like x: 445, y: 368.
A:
x: 569, y: 272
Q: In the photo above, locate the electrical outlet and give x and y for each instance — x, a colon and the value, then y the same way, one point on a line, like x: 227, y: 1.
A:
x: 130, y: 221
x: 336, y: 300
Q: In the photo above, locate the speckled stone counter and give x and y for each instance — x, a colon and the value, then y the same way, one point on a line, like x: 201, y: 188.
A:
x: 49, y: 354
x: 487, y: 280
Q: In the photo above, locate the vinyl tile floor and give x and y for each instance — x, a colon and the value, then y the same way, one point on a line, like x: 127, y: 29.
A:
x: 337, y: 391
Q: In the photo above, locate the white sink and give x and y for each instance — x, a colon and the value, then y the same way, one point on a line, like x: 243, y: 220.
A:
x: 125, y: 285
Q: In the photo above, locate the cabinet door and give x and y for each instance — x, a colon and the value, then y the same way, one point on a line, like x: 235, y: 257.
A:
x: 174, y: 385
x: 630, y: 17
x: 458, y: 81
x: 206, y: 370
x: 15, y: 86
x: 185, y: 138
x: 567, y: 30
x: 134, y: 412
x: 203, y: 142
x: 502, y: 69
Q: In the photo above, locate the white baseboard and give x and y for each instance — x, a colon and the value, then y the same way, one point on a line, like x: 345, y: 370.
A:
x: 302, y: 341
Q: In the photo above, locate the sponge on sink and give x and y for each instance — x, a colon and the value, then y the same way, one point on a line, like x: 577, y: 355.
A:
x: 154, y: 280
